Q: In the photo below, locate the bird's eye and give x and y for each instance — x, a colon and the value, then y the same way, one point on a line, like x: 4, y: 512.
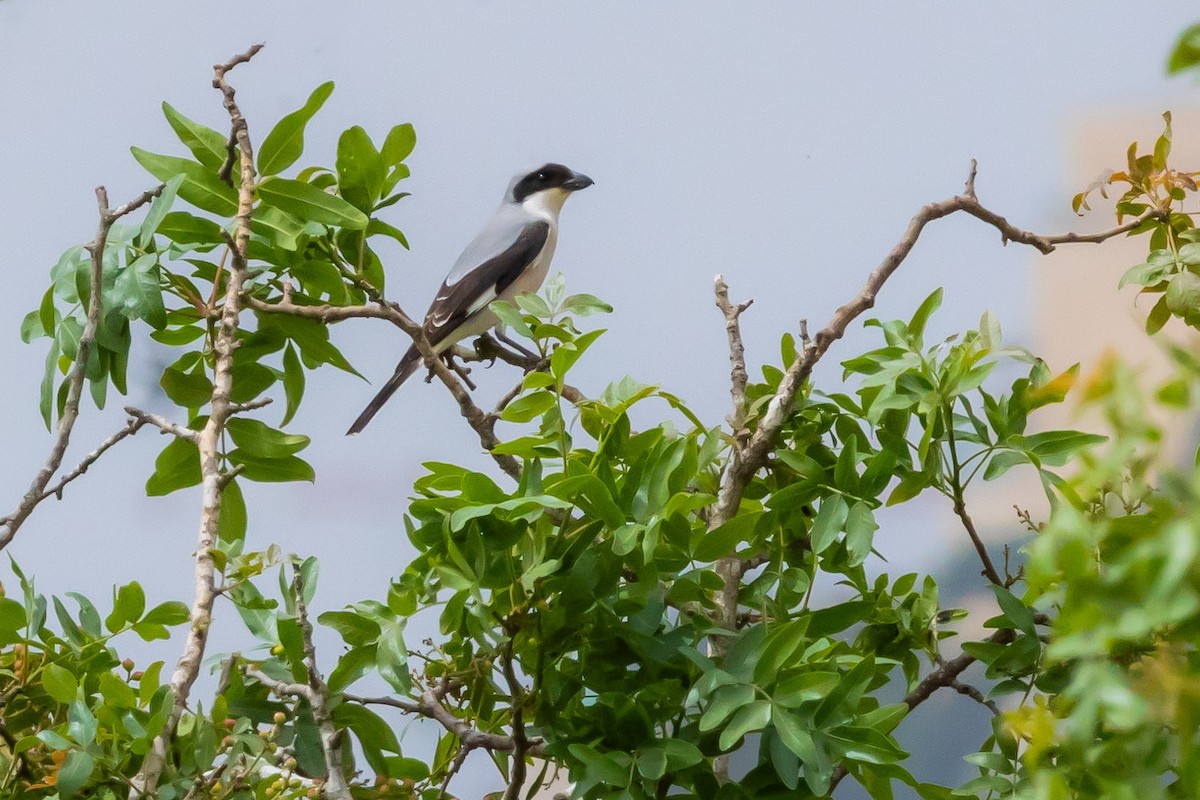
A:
x: 543, y: 177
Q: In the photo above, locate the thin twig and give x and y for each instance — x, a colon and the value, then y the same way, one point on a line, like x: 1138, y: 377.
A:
x: 253, y: 405
x: 430, y: 705
x: 132, y: 427
x: 163, y: 424
x: 970, y: 691
x: 989, y: 569
x: 517, y: 770
x: 10, y: 524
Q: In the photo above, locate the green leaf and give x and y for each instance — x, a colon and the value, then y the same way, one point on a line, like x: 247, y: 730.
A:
x: 275, y: 470
x: 916, y: 326
x: 804, y: 688
x: 1186, y: 53
x: 184, y: 228
x: 284, y: 144
x: 860, y: 532
x: 231, y: 525
x: 186, y: 389
x: 127, y: 608
x: 172, y: 612
x: 208, y: 146
x: 749, y: 718
x: 830, y: 520
x: 1158, y: 316
x: 74, y: 773
x: 1183, y: 295
x: 360, y: 169
x: 652, y: 763
x: 158, y: 210
x: 59, y: 683
x: 177, y: 467
x: 201, y: 187
x: 379, y: 227
x: 1016, y: 612
x: 116, y: 692
x: 391, y: 657
x: 399, y: 144
x: 12, y: 617
x: 279, y: 229
x: 139, y: 288
x: 726, y: 701
x: 257, y: 440
x: 293, y: 382
x: 46, y: 397
x: 724, y: 539
x: 529, y: 406
x: 310, y: 203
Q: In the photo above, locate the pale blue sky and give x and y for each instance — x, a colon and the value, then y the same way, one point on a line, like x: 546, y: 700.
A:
x: 784, y: 145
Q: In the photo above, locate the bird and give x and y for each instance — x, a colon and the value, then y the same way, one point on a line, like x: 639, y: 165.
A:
x: 510, y: 255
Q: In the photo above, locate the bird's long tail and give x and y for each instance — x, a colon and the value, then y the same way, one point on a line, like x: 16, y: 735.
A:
x: 404, y: 370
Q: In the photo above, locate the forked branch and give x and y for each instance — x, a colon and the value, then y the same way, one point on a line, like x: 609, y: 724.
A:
x: 66, y: 421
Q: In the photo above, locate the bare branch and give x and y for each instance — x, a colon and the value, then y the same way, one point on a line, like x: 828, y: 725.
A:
x: 10, y: 524
x: 431, y: 706
x: 132, y: 427
x: 970, y: 691
x: 731, y: 569
x: 737, y: 359
x: 280, y: 688
x: 253, y: 405
x: 989, y: 569
x: 517, y: 770
x: 753, y: 456
x: 208, y: 441
x: 163, y: 424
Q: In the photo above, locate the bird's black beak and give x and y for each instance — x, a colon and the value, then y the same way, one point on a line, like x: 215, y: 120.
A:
x: 577, y: 181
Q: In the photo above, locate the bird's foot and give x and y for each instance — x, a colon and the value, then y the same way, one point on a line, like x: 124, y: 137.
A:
x: 486, y: 349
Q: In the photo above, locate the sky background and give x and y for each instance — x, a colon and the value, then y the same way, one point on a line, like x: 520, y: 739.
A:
x: 783, y: 145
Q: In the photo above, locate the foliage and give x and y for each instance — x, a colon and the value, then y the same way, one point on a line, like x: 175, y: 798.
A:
x: 579, y: 606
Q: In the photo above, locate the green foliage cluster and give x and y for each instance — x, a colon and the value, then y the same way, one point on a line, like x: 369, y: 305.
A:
x: 578, y: 607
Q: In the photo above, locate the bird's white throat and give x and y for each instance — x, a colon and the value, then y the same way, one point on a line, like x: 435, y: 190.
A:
x: 546, y: 203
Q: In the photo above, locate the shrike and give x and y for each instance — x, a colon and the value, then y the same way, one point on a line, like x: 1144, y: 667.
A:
x: 510, y: 255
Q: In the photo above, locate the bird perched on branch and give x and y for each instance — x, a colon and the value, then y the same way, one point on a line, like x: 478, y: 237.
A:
x: 510, y: 255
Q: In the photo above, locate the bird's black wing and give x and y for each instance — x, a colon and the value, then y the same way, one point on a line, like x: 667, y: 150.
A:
x: 457, y: 301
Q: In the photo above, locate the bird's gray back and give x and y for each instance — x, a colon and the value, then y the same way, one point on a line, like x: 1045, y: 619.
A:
x: 497, y: 236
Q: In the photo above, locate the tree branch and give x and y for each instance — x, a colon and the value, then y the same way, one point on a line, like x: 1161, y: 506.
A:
x: 517, y: 771
x: 731, y: 569
x: 163, y: 424
x: 10, y: 524
x: 753, y: 456
x: 208, y: 441
x: 989, y: 569
x: 431, y: 706
x: 336, y: 787
x: 945, y: 676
